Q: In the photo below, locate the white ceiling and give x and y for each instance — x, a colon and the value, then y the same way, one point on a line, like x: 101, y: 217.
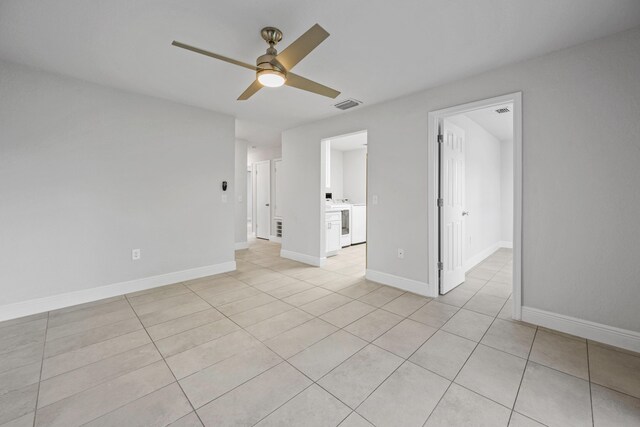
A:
x: 499, y: 125
x: 378, y: 49
x: 353, y: 141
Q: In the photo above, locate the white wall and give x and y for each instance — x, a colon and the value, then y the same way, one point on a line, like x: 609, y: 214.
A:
x: 261, y: 153
x: 482, y: 189
x: 239, y: 189
x: 354, y: 178
x: 506, y: 191
x: 580, y: 200
x: 88, y: 173
x: 303, y: 203
x: 336, y: 164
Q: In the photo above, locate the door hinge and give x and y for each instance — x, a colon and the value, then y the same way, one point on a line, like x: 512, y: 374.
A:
x: 440, y: 138
x: 440, y: 203
x: 440, y: 266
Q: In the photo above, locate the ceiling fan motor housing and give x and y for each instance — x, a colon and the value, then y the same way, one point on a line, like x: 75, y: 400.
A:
x: 267, y: 68
x: 271, y: 35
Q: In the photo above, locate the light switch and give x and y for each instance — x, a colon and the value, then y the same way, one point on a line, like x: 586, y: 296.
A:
x: 224, y: 198
x: 375, y: 199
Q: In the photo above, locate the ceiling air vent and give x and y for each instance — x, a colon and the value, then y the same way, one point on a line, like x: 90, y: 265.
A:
x: 349, y: 103
x: 502, y: 110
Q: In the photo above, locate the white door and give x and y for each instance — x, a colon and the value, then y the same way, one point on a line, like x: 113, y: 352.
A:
x: 452, y: 224
x: 277, y: 209
x: 263, y: 199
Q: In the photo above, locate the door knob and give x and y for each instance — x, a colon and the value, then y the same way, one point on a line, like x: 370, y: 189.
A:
x: 465, y: 213
x: 266, y: 204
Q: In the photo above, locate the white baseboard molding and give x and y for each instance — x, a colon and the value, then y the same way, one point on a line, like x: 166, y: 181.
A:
x: 410, y: 285
x: 304, y: 258
x: 505, y: 244
x: 242, y: 245
x: 611, y: 335
x: 54, y: 302
x: 480, y: 256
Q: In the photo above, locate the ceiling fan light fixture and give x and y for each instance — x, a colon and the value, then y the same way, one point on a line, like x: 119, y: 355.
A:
x: 271, y: 78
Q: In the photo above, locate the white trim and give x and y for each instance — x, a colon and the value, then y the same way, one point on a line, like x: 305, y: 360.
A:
x: 54, y: 302
x: 242, y: 245
x: 480, y: 256
x: 505, y: 244
x: 622, y: 338
x: 432, y: 190
x: 275, y: 239
x: 307, y: 259
x: 414, y: 286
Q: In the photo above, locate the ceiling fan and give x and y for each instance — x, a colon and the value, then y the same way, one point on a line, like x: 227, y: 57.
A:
x: 273, y: 69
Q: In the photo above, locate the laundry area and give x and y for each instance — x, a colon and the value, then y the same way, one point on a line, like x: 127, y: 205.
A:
x: 345, y: 162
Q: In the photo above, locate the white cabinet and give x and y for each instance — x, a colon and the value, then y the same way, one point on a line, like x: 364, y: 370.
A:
x: 358, y: 224
x: 333, y: 231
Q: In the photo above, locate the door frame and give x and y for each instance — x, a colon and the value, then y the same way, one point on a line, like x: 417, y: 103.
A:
x: 323, y: 254
x: 433, y: 180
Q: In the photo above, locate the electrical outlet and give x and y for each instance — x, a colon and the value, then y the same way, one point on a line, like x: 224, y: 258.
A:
x: 375, y: 199
x: 400, y: 253
x: 135, y: 254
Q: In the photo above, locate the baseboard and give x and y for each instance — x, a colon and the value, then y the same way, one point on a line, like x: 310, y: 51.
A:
x: 54, y: 302
x: 505, y: 244
x: 480, y: 256
x: 410, y: 285
x: 242, y: 245
x: 622, y: 338
x: 307, y: 259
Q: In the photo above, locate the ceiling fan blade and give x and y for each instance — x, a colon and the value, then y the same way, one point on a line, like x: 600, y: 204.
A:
x: 253, y: 88
x: 214, y: 55
x: 300, y: 82
x: 300, y: 48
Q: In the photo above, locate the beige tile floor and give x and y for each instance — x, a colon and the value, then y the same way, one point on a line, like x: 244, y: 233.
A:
x: 280, y: 343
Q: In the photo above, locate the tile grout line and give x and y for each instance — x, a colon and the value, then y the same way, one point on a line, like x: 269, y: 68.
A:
x: 241, y: 328
x: 371, y: 343
x: 289, y: 363
x: 165, y: 363
x: 44, y: 344
x: 523, y: 372
x: 283, y: 360
x: 590, y: 387
x: 463, y: 365
x: 406, y: 359
x: 118, y: 376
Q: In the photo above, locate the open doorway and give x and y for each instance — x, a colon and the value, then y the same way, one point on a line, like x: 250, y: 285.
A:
x: 344, y: 162
x: 475, y: 201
